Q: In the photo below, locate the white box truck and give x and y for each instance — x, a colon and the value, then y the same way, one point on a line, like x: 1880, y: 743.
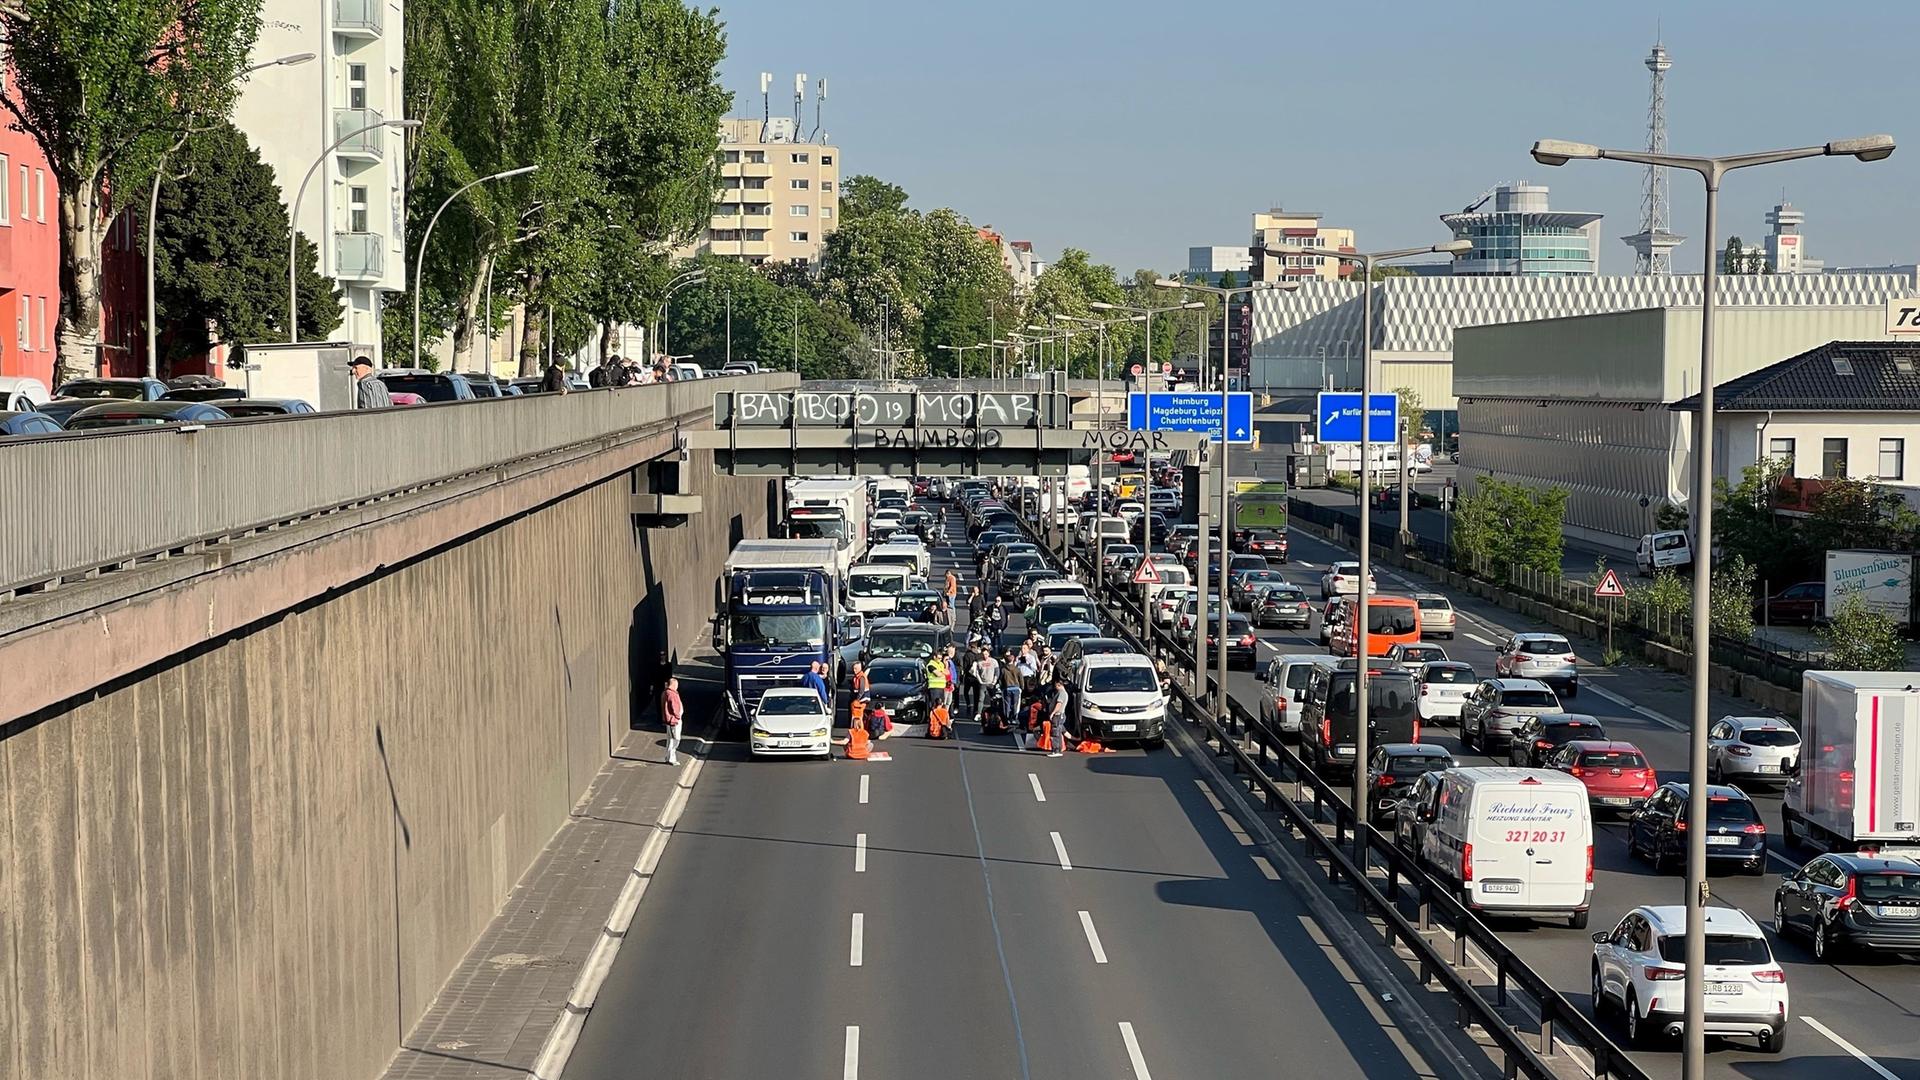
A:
x: 1856, y: 784
x: 316, y: 372
x: 1883, y: 580
x: 831, y: 508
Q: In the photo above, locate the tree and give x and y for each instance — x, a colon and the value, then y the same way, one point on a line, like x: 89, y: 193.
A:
x: 1849, y: 513
x: 861, y: 196
x: 1413, y: 415
x: 1746, y: 527
x: 1861, y: 639
x: 1733, y: 260
x: 1510, y: 524
x: 105, y: 89
x: 220, y: 250
x: 1228, y: 281
x: 1382, y: 273
x: 1730, y: 606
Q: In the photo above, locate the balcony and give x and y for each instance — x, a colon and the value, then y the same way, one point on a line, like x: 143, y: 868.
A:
x: 368, y: 145
x: 359, y: 256
x: 360, y: 18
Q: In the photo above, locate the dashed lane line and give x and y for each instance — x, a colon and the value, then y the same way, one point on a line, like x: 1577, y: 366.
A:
x: 851, y: 1070
x: 863, y: 801
x: 1134, y: 1055
x: 1093, y: 938
x: 856, y: 953
x: 1858, y: 1054
x: 1038, y: 795
x: 1060, y: 849
x: 1481, y: 640
x: 860, y: 853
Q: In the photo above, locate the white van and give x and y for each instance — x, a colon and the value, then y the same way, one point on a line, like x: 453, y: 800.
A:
x: 1516, y: 842
x: 875, y: 588
x: 1662, y: 550
x: 912, y: 556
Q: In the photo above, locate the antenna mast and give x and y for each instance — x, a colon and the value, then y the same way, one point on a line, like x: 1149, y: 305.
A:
x: 766, y: 104
x: 819, y: 105
x: 1654, y: 243
x: 799, y: 99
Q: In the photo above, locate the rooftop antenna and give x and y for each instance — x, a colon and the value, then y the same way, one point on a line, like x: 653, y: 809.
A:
x: 1654, y: 243
x: 799, y: 98
x: 819, y: 103
x: 766, y: 104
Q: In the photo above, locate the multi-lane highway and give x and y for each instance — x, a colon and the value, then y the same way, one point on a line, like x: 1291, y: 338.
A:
x: 968, y: 910
x: 1859, y: 1018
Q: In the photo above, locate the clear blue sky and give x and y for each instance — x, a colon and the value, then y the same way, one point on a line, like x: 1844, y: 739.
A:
x: 1135, y: 130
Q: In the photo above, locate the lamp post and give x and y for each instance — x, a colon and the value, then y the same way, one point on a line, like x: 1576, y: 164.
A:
x: 1366, y: 261
x: 1100, y: 458
x: 1226, y: 522
x: 959, y: 358
x: 1711, y: 170
x: 1063, y: 337
x: 420, y: 261
x: 1146, y: 515
x: 153, y: 210
x: 293, y: 223
x: 690, y: 277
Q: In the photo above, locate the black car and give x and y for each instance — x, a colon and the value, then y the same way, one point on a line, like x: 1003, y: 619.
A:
x: 902, y: 640
x: 1848, y: 901
x: 1241, y: 644
x: 916, y: 603
x: 1244, y: 586
x: 239, y: 407
x: 61, y: 410
x: 921, y: 522
x: 1283, y: 605
x: 124, y: 414
x: 28, y: 423
x: 430, y: 385
x: 218, y: 394
x: 1394, y: 767
x: 1735, y: 834
x: 1009, y: 568
x: 1538, y: 737
x: 900, y: 687
x: 1270, y: 543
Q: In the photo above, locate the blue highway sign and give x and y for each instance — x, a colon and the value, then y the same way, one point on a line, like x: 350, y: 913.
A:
x: 1340, y: 418
x: 1199, y: 413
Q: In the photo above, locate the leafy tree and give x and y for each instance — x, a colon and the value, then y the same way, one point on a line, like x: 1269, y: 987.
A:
x: 966, y: 282
x: 105, y: 89
x: 1511, y: 524
x: 1733, y: 260
x: 862, y: 196
x: 1413, y: 415
x: 1746, y: 526
x: 1670, y: 518
x: 1730, y: 605
x: 1861, y: 639
x: 1228, y: 280
x: 220, y: 250
x: 1382, y: 273
x: 1859, y: 514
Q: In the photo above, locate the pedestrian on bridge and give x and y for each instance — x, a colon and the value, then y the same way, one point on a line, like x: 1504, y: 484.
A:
x: 673, y: 713
x: 369, y: 392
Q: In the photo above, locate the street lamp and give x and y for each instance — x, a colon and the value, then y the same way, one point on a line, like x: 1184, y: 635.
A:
x: 1100, y: 456
x: 1366, y: 261
x: 293, y: 223
x: 1711, y: 170
x: 959, y: 357
x: 691, y: 277
x: 420, y: 261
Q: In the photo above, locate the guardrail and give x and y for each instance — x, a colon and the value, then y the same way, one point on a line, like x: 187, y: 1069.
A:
x: 1255, y: 751
x: 86, y: 501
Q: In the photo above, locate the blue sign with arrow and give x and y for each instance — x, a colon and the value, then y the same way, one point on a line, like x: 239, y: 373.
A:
x: 1340, y: 418
x: 1201, y: 413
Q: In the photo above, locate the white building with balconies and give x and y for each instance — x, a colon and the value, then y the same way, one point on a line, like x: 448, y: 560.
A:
x: 354, y: 203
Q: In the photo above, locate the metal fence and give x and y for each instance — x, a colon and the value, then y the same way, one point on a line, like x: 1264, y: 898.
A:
x: 1407, y: 903
x: 81, y: 502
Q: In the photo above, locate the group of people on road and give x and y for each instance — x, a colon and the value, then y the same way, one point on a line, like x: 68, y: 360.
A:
x: 615, y: 371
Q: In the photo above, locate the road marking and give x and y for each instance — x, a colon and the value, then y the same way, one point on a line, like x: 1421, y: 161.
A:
x: 1038, y: 795
x: 1641, y: 710
x: 858, y: 952
x: 1849, y: 1048
x: 1784, y: 861
x: 1093, y: 938
x: 1304, y: 565
x: 1060, y: 849
x: 860, y: 853
x: 863, y: 801
x: 1176, y: 750
x: 1481, y: 640
x: 1133, y: 1052
x: 851, y: 1070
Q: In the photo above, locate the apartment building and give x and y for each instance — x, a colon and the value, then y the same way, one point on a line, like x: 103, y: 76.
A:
x: 354, y: 206
x: 1278, y: 229
x: 29, y: 255
x: 779, y: 196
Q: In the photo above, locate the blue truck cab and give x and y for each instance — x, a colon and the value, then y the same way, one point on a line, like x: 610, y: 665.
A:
x: 782, y: 613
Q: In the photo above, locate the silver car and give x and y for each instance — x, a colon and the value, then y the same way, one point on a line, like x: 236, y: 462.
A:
x: 1436, y: 615
x: 1546, y: 658
x: 1498, y: 706
x: 1751, y: 749
x: 1343, y: 579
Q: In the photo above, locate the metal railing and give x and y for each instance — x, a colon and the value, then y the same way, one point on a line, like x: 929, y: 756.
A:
x: 359, y: 256
x: 360, y: 17
x: 1409, y: 903
x: 371, y: 142
x: 138, y: 492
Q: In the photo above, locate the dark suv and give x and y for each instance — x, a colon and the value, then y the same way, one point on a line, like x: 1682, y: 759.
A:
x: 1537, y: 737
x: 1735, y: 833
x: 1844, y: 901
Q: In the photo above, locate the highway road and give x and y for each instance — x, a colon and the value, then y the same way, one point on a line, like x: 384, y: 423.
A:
x: 1858, y: 1019
x: 968, y: 910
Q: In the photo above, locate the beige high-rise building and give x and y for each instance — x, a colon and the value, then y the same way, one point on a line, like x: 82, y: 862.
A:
x: 778, y: 197
x: 1281, y: 229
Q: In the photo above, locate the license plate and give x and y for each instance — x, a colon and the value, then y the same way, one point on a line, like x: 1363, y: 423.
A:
x: 1725, y: 988
x: 1722, y: 841
x: 1616, y: 800
x: 1345, y: 751
x: 1764, y: 767
x: 1117, y: 728
x: 1897, y: 912
x: 1500, y: 887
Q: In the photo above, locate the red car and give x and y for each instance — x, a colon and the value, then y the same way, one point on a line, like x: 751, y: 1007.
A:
x: 1616, y: 773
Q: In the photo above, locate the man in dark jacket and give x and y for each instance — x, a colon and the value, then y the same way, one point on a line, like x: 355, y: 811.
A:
x: 555, y: 380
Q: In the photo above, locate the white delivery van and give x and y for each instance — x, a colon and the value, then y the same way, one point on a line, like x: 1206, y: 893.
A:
x: 1663, y: 551
x: 875, y: 588
x: 912, y: 556
x: 1515, y: 842
x: 1856, y: 785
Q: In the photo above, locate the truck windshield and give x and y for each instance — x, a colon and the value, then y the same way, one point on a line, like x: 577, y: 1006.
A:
x: 874, y: 584
x: 817, y: 529
x: 801, y: 629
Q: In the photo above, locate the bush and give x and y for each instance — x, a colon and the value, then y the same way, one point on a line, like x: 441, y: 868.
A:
x: 1668, y: 595
x: 1730, y: 607
x: 1511, y: 524
x: 1861, y: 639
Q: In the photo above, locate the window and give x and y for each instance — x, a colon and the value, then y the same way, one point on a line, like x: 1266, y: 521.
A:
x: 797, y: 185
x: 826, y: 159
x: 20, y: 325
x: 732, y: 157
x: 802, y: 159
x: 24, y: 216
x: 357, y: 209
x: 356, y: 86
x: 1833, y: 458
x: 39, y: 195
x: 797, y: 210
x: 1781, y: 450
x: 40, y: 311
x: 1893, y: 459
x: 797, y: 237
x: 756, y: 157
x: 6, y: 204
x: 826, y: 185
x: 826, y: 211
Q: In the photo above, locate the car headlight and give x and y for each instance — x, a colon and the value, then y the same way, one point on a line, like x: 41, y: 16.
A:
x: 761, y: 733
x: 819, y: 733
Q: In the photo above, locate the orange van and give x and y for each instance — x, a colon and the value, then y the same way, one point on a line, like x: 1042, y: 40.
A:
x: 1391, y: 620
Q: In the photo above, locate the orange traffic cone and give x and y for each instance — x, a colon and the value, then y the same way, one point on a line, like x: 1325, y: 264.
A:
x: 1046, y: 735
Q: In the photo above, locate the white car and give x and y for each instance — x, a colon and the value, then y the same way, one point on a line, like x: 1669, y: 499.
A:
x: 1444, y: 686
x: 1751, y: 748
x: 792, y: 721
x: 1168, y: 600
x: 1343, y: 579
x: 885, y: 518
x: 1640, y: 968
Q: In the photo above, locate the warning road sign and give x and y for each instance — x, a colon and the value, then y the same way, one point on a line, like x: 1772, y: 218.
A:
x: 1146, y: 573
x: 1609, y: 586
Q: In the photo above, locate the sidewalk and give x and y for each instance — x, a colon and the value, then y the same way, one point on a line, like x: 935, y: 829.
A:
x: 493, y: 1015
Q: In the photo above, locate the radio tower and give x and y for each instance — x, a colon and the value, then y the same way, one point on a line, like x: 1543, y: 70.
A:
x: 1654, y: 243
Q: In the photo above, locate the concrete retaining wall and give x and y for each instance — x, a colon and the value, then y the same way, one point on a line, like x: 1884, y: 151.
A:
x: 261, y: 857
